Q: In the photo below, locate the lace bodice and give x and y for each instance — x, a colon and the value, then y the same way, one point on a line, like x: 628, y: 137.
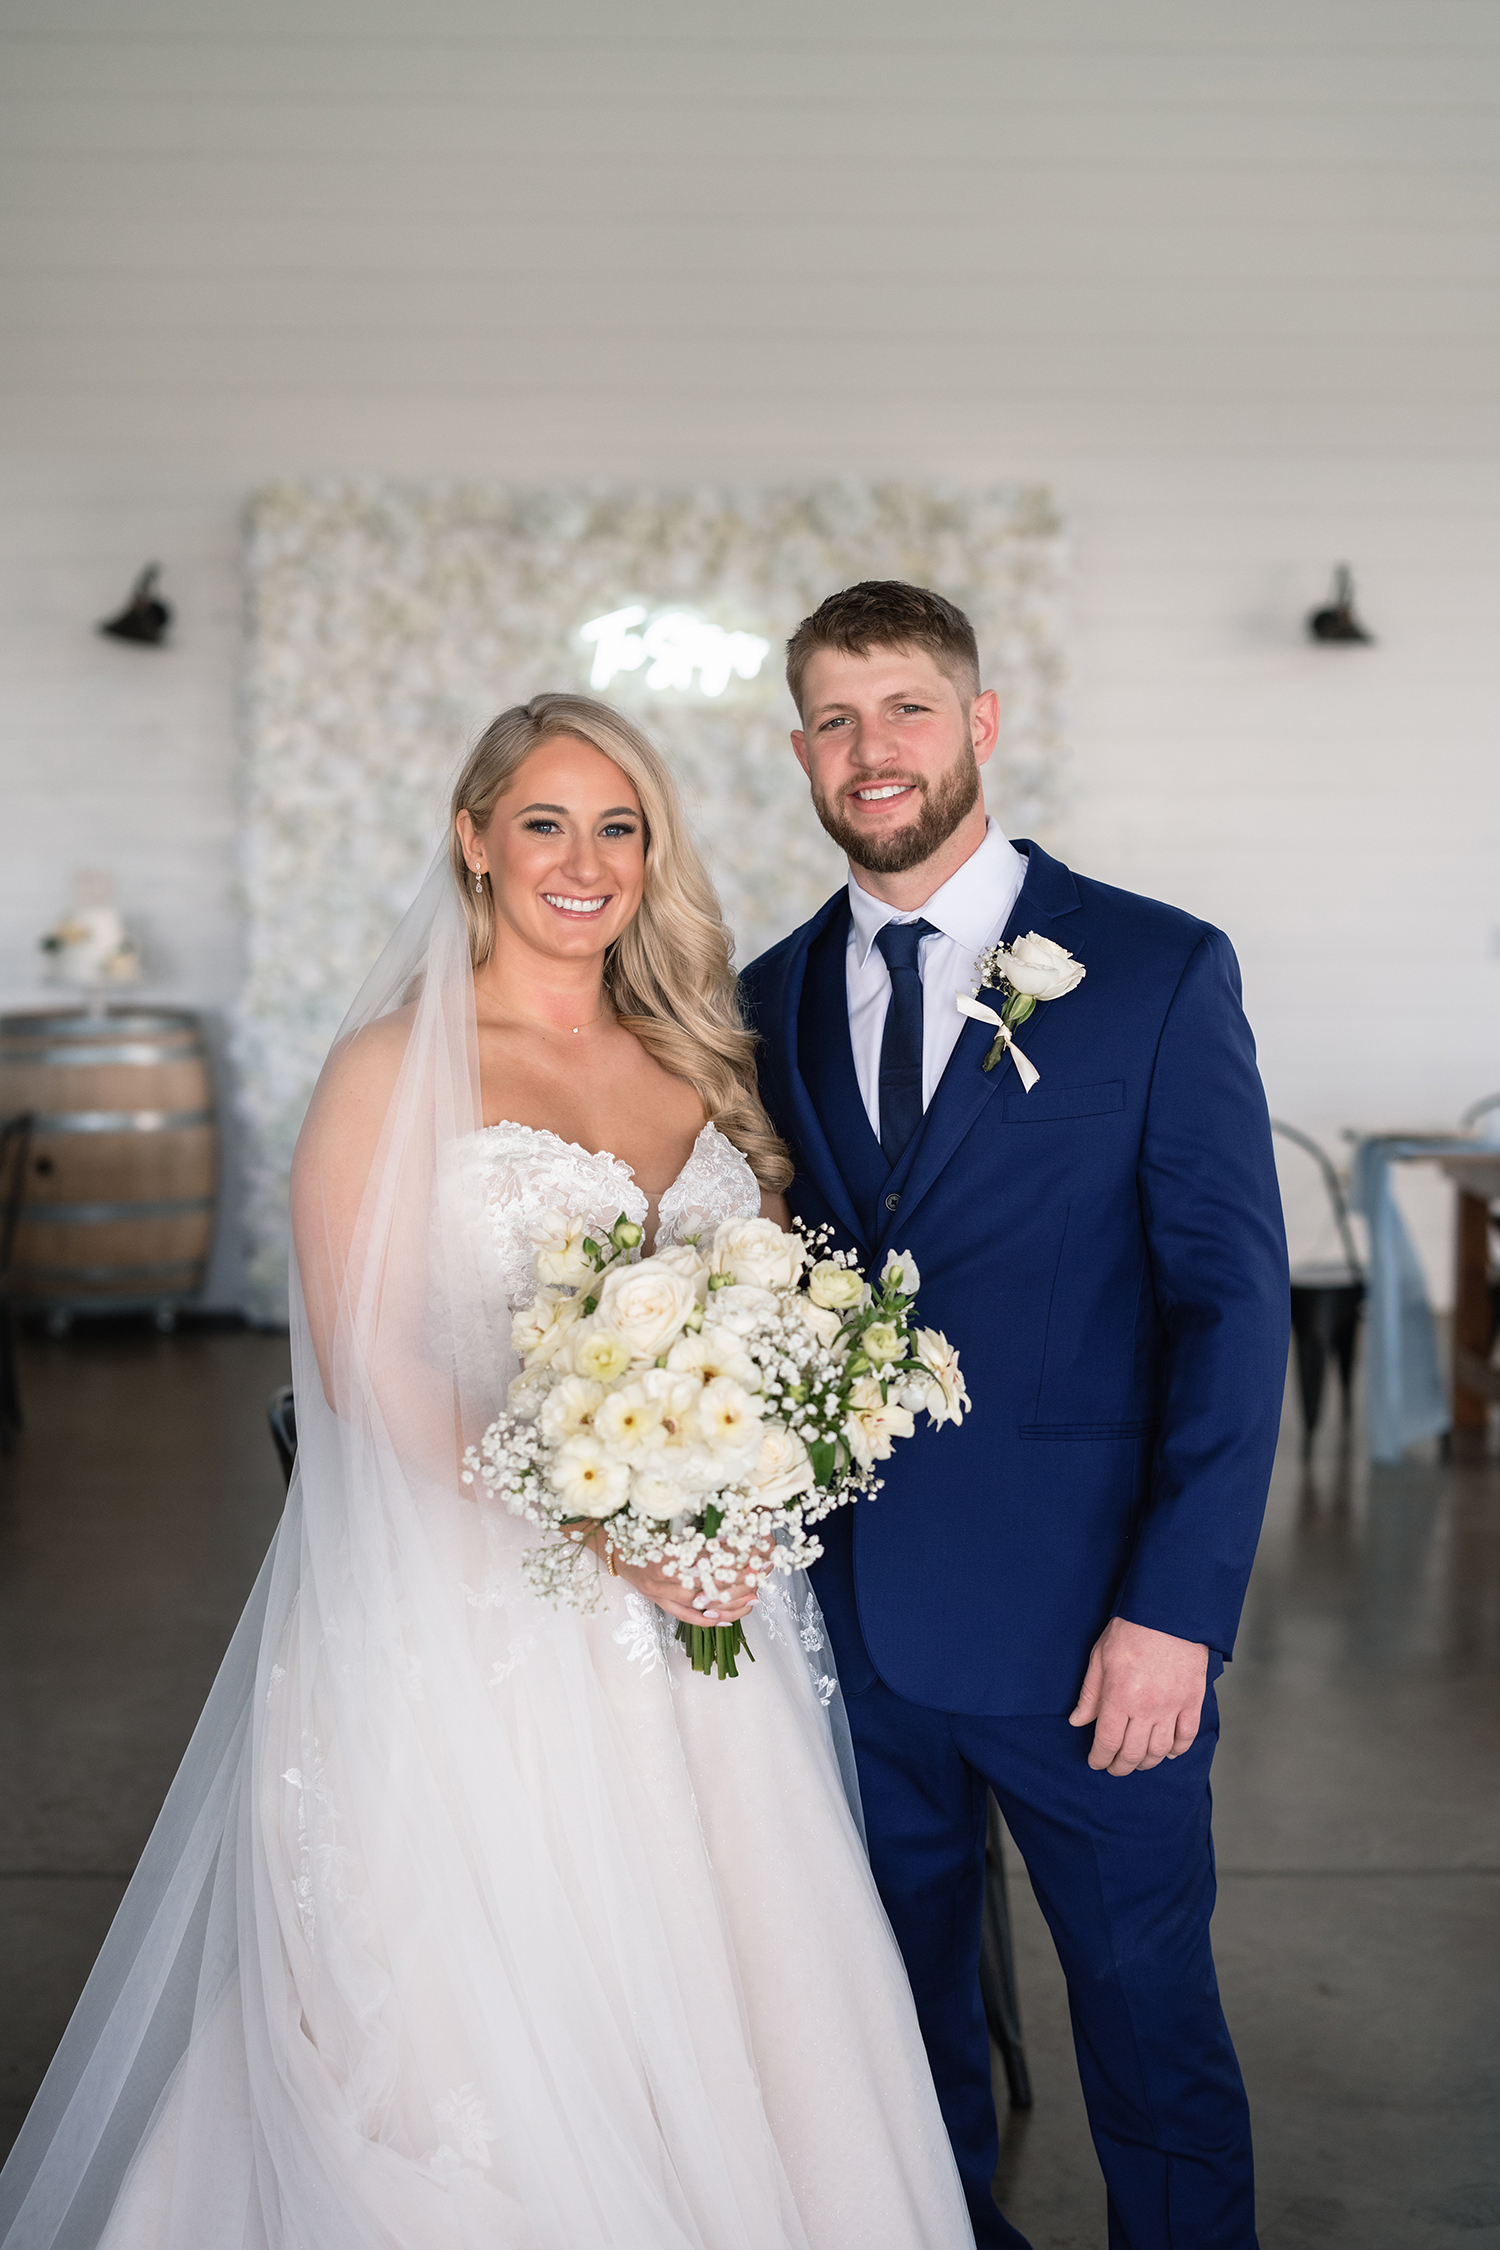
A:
x: 513, y: 1173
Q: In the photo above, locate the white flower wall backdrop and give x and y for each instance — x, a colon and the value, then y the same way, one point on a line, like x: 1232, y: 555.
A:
x: 389, y: 623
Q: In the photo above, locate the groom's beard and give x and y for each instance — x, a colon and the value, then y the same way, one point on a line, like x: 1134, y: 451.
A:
x: 944, y: 804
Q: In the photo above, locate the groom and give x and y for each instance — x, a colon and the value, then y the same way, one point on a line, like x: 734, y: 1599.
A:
x: 1039, y: 1601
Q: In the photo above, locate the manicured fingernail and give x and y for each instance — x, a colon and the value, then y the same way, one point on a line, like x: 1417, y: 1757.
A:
x: 700, y: 1601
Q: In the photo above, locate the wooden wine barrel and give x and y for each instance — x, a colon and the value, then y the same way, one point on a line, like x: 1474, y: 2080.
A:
x: 123, y: 1174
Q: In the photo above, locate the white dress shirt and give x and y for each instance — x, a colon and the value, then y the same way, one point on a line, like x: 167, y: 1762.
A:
x: 968, y: 913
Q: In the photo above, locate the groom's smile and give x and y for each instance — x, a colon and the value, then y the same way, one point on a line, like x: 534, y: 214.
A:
x: 884, y: 792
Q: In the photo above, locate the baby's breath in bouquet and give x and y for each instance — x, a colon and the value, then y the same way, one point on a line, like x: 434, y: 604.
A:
x: 704, y: 1408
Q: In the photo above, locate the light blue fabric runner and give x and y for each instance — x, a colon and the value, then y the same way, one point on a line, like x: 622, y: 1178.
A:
x: 1406, y: 1399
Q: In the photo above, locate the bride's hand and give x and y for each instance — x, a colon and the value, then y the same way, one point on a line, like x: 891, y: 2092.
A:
x: 736, y: 1595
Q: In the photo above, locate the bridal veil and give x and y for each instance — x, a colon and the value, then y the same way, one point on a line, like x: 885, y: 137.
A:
x: 405, y: 1961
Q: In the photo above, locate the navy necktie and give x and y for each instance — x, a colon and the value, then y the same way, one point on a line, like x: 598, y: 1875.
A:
x: 901, y: 1043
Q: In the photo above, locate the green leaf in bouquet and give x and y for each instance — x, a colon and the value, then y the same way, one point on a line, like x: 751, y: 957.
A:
x: 824, y: 1455
x: 712, y: 1518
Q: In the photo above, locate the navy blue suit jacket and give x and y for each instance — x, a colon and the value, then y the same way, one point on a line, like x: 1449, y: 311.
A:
x: 1106, y: 1252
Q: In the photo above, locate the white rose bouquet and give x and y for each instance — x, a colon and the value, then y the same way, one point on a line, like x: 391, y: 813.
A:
x: 702, y: 1409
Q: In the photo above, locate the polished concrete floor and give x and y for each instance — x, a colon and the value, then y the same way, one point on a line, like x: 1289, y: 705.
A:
x: 1357, y: 1787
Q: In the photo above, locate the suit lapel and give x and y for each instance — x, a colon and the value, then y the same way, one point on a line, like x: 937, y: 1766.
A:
x: 813, y: 1144
x: 1047, y: 895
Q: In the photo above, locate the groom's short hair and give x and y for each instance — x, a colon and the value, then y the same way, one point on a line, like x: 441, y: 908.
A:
x: 887, y: 613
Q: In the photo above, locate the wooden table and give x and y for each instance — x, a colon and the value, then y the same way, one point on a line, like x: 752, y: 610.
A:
x: 1476, y: 1383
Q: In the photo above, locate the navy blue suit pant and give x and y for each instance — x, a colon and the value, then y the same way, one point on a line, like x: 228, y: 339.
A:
x: 1123, y: 1870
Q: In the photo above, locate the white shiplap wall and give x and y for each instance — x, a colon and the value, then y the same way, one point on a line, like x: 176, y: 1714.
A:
x: 1225, y: 277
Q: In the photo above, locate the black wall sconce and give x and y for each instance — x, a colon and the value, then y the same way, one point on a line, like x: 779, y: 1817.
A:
x: 1338, y: 622
x: 145, y: 617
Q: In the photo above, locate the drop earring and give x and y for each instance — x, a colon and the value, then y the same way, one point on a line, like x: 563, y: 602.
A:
x: 479, y: 879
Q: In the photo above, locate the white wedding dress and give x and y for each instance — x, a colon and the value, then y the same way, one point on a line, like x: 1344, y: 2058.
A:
x: 511, y: 1932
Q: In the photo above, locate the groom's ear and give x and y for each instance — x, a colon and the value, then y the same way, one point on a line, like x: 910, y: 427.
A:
x: 799, y: 745
x: 984, y: 726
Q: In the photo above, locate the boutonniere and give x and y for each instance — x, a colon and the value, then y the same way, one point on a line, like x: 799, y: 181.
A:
x: 1032, y: 969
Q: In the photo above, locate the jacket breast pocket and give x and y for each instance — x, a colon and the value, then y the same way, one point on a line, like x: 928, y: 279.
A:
x: 1047, y: 1105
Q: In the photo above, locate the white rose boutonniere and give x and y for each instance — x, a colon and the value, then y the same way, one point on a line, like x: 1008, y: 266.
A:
x: 1032, y: 969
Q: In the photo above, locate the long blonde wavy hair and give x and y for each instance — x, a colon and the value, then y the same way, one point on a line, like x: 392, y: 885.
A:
x: 668, y: 977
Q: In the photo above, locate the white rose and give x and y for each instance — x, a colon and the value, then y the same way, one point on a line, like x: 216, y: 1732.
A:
x: 872, y: 1425
x: 882, y: 1341
x: 560, y: 1255
x: 628, y: 1421
x: 570, y: 1406
x: 947, y: 1398
x: 595, y: 1351
x: 714, y: 1350
x: 1039, y: 967
x: 782, y: 1468
x: 757, y: 1253
x: 587, y: 1479
x: 646, y: 1306
x: 825, y: 1323
x: 729, y: 1417
x: 537, y: 1329
x: 741, y: 1308
x: 900, y: 1273
x: 657, y: 1496
x: 836, y: 1287
x: 690, y: 1263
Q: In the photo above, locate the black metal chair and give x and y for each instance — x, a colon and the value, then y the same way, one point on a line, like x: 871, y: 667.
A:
x: 997, y: 1961
x: 281, y: 1413
x: 1326, y: 1302
x: 15, y: 1150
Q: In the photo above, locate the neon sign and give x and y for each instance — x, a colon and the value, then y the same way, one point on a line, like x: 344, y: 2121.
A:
x: 675, y: 645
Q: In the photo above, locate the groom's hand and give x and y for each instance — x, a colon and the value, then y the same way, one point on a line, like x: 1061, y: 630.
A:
x: 1144, y: 1692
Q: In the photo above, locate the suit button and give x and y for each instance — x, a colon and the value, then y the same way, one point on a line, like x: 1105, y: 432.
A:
x: 891, y: 1201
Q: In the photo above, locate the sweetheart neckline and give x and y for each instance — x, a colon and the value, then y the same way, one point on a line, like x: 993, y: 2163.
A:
x: 601, y: 1155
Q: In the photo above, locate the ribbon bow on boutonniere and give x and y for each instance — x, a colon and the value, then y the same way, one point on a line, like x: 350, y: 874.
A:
x: 1032, y: 969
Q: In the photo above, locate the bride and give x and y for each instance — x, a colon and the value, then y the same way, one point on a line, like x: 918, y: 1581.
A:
x: 471, y: 1922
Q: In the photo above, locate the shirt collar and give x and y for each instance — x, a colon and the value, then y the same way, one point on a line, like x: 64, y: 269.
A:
x: 969, y: 908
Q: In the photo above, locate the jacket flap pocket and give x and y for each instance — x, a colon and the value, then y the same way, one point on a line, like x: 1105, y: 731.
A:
x: 1045, y: 1103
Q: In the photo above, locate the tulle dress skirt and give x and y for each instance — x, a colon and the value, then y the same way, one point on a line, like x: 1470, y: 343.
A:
x: 502, y: 1927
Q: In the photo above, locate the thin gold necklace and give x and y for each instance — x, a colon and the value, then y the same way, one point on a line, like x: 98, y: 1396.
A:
x: 575, y: 1028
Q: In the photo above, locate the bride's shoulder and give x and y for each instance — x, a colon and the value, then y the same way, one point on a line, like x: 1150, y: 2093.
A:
x: 360, y: 1076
